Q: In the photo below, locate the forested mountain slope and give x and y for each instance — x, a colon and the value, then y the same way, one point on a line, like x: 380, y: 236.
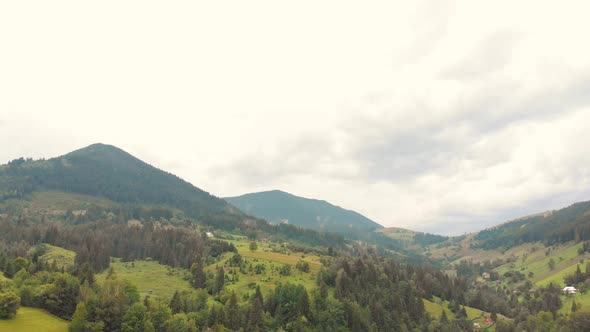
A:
x: 106, y: 171
x: 568, y: 224
x: 281, y: 207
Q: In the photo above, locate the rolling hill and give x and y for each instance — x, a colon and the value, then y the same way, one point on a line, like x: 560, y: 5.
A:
x: 281, y: 207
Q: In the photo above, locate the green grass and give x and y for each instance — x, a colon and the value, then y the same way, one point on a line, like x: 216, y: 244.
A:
x: 33, y: 320
x: 272, y: 262
x: 63, y: 200
x: 582, y: 301
x: 404, y: 235
x: 264, y: 252
x: 148, y: 275
x: 565, y: 256
x: 56, y: 202
x: 557, y: 278
x: 164, y: 280
x: 62, y: 257
x: 436, y: 308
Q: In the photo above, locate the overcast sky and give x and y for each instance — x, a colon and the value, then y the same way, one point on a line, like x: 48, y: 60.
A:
x: 443, y: 116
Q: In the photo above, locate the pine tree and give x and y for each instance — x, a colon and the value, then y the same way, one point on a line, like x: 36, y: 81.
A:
x: 175, y: 304
x: 578, y: 274
x: 443, y: 318
x: 303, y: 304
x: 256, y: 319
x: 86, y: 274
x: 463, y: 312
x: 212, y: 318
x: 232, y: 312
x: 79, y: 321
x: 574, y: 306
x: 9, y: 269
x: 199, y: 279
x: 219, y: 280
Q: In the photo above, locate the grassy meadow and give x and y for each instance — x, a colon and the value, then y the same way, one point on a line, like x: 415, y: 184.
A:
x: 262, y: 267
x: 62, y: 257
x: 267, y: 275
x: 33, y: 320
x: 435, y: 309
x: 150, y: 276
x: 535, y: 259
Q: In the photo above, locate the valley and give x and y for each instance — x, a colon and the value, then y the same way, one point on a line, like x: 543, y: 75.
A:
x: 85, y: 246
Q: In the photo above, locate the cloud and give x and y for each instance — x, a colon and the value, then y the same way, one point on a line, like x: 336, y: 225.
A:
x: 492, y: 55
x: 432, y: 116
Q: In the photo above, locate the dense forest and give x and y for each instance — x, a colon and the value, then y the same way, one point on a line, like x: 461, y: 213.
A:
x: 568, y: 224
x: 357, y: 291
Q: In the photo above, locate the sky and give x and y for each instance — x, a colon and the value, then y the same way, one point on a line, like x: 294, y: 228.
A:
x: 438, y: 116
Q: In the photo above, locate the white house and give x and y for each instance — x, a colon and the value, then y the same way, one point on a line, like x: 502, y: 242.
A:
x: 209, y: 234
x: 569, y: 290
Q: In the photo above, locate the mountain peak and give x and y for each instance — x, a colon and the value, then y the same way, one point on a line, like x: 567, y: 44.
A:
x: 107, y: 171
x: 98, y: 147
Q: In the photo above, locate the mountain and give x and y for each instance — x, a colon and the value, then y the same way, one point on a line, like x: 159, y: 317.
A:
x: 411, y: 238
x: 101, y: 180
x: 106, y: 171
x: 563, y: 225
x: 557, y: 231
x: 281, y: 207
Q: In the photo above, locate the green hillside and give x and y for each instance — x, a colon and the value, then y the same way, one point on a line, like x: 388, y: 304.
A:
x: 62, y: 257
x: 280, y: 207
x: 568, y: 224
x: 105, y: 171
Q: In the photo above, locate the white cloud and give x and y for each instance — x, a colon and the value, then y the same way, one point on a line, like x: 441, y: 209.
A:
x: 418, y: 115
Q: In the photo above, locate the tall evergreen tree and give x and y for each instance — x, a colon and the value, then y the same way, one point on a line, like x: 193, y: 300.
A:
x: 219, y: 280
x: 232, y: 312
x: 199, y: 278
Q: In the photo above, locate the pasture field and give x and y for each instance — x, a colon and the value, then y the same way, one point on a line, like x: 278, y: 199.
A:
x: 557, y: 278
x: 149, y: 276
x: 262, y: 268
x: 33, y: 320
x: 61, y: 256
x: 436, y: 307
x: 536, y: 262
x: 582, y: 302
x: 264, y: 252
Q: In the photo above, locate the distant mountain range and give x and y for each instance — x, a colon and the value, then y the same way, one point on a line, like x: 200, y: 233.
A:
x: 105, y: 171
x: 281, y: 207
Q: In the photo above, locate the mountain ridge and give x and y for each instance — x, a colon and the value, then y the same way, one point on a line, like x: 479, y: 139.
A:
x: 278, y: 206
